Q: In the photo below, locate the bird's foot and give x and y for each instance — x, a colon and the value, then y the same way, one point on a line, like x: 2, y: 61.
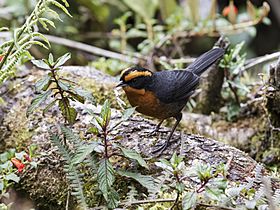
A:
x: 153, y: 132
x: 161, y: 148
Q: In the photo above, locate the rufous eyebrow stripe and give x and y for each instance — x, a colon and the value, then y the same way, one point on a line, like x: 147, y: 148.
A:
x: 135, y: 74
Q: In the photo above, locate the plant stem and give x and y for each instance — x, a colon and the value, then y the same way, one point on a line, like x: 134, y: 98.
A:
x: 233, y: 90
x: 105, y: 143
x: 59, y: 90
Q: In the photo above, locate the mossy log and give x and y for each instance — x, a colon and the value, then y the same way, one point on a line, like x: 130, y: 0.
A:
x: 47, y: 184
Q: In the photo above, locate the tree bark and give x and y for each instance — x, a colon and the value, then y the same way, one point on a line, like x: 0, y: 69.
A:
x: 209, y: 99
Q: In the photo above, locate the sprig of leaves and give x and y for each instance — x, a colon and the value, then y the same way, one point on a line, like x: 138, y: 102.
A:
x: 25, y: 36
x: 59, y: 89
x: 106, y: 171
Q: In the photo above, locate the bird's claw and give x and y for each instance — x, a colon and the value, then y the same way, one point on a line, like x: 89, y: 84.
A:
x: 161, y: 148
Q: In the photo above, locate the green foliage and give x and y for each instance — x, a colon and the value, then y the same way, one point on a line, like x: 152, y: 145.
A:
x: 61, y: 91
x: 212, y: 185
x: 106, y: 178
x: 234, y: 89
x: 25, y: 36
x: 71, y: 170
x: 134, y: 156
x: 12, y: 163
x: 96, y: 156
x: 106, y: 172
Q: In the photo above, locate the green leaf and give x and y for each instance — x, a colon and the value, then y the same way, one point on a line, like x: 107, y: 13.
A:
x: 219, y: 182
x: 189, y: 200
x: 68, y: 112
x: 167, y: 8
x: 47, y: 21
x: 135, y: 156
x: 145, y: 181
x: 12, y: 177
x: 50, y: 59
x: 49, y: 106
x: 105, y: 177
x: 40, y: 64
x: 43, y: 83
x: 77, y: 97
x: 176, y: 160
x: 213, y: 193
x: 127, y: 113
x: 37, y: 101
x: 97, y: 122
x: 63, y: 85
x: 60, y: 61
x: 42, y: 37
x: 57, y: 4
x: 83, y: 152
x: 84, y: 93
x: 113, y: 198
x: 203, y: 171
x: 65, y: 3
x: 106, y: 113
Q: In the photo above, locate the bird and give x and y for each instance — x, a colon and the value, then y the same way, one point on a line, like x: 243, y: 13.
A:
x: 163, y: 94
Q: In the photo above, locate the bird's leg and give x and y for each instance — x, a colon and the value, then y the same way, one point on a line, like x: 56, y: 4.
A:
x: 156, y: 128
x: 166, y: 144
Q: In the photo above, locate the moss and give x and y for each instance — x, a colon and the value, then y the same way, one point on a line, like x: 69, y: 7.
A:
x: 265, y: 146
x: 17, y: 125
x: 101, y: 92
x: 47, y: 187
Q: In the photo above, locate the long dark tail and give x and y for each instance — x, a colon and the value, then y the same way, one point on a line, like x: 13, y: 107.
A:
x: 203, y: 62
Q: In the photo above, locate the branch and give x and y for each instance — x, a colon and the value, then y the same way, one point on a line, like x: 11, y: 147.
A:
x: 256, y: 61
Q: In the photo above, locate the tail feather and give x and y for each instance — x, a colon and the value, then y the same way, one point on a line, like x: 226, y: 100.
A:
x: 203, y: 62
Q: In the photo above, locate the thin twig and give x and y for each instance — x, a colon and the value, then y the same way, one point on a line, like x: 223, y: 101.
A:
x: 147, y: 201
x: 67, y: 200
x: 169, y: 200
x: 256, y: 61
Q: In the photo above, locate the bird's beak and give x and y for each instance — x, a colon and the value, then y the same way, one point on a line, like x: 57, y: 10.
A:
x: 121, y: 84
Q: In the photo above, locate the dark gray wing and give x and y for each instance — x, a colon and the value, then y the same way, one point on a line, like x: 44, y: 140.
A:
x: 178, y: 85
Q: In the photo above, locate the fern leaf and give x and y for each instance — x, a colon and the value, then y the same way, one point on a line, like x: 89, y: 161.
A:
x: 6, y: 44
x: 71, y: 171
x: 65, y: 2
x: 53, y: 14
x: 132, y: 194
x: 60, y: 6
x: 71, y: 137
x: 41, y: 36
x: 33, y: 42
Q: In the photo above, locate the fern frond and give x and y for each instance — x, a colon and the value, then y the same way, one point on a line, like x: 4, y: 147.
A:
x: 71, y: 171
x: 41, y: 36
x: 131, y: 194
x: 276, y: 197
x: 60, y: 6
x: 6, y: 44
x: 53, y: 14
x: 71, y: 137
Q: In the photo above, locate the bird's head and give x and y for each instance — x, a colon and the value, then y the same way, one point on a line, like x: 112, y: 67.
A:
x: 135, y: 77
